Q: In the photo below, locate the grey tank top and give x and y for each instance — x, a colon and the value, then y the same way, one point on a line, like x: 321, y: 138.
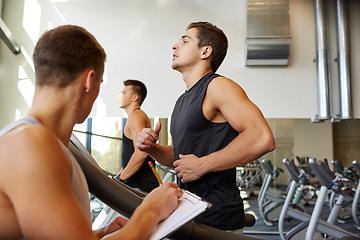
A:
x: 78, y: 180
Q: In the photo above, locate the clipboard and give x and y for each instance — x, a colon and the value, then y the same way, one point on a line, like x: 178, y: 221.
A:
x: 190, y: 205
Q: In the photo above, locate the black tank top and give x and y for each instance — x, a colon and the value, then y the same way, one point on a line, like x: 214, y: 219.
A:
x: 144, y: 178
x: 192, y: 133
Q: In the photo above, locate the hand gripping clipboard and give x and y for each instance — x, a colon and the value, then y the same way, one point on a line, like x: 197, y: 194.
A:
x: 190, y: 205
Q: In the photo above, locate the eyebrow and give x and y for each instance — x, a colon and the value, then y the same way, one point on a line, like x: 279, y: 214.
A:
x: 185, y: 36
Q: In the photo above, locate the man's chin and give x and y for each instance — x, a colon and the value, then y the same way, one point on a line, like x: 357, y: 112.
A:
x: 175, y: 67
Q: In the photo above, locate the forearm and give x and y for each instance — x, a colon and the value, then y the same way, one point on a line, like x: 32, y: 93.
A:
x: 129, y: 171
x: 163, y: 154
x: 135, y: 163
x: 243, y: 149
x: 139, y: 226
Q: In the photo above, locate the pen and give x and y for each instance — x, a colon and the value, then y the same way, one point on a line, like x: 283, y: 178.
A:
x: 154, y: 171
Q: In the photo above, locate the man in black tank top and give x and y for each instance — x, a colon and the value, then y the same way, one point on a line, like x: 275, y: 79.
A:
x: 136, y: 171
x: 214, y: 128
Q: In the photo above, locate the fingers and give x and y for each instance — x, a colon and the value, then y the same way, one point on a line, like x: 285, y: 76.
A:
x: 178, y: 191
x: 182, y: 177
x: 115, y: 225
x: 187, y: 168
x: 169, y: 189
x: 178, y: 162
x: 149, y: 134
x: 163, y: 200
x: 177, y: 170
x: 181, y: 156
x: 175, y: 164
x: 157, y: 127
x: 121, y: 221
x: 146, y: 139
x: 144, y: 143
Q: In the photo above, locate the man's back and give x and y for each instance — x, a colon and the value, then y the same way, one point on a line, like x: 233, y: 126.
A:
x: 28, y: 176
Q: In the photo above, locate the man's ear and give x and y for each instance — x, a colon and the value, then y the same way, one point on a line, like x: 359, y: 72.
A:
x: 89, y: 79
x: 135, y: 98
x: 206, y: 52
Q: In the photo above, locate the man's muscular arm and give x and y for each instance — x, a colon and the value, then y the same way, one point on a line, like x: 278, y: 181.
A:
x: 136, y: 122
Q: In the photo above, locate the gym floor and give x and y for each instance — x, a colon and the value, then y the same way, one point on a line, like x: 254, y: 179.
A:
x: 260, y: 230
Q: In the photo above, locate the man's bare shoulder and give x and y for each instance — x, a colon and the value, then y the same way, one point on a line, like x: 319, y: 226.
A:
x: 29, y: 150
x: 223, y: 89
x: 26, y: 137
x: 224, y: 82
x: 138, y: 119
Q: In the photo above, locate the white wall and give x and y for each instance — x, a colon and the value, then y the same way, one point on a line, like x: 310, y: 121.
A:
x: 138, y: 38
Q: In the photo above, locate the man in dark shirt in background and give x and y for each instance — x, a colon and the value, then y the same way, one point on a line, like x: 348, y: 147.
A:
x: 136, y: 171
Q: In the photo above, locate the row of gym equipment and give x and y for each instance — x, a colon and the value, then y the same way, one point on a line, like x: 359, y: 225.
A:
x: 312, y: 191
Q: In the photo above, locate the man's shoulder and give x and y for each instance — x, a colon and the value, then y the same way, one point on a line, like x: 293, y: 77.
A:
x: 138, y: 118
x: 222, y: 80
x: 223, y: 86
x: 28, y: 133
x: 31, y: 152
x: 28, y: 142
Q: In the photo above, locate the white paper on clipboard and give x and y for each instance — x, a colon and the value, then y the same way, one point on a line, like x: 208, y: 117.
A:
x: 189, y: 207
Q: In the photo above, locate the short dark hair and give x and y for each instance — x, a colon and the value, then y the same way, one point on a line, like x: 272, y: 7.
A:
x: 210, y: 35
x: 63, y: 53
x: 138, y: 87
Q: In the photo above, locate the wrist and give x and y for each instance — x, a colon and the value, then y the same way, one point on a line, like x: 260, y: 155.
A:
x: 142, y: 222
x: 152, y: 149
x: 147, y: 211
x: 118, y: 178
x: 204, y: 166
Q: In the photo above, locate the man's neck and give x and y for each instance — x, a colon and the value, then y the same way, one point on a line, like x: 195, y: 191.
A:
x: 55, y: 113
x: 191, y: 78
x: 131, y: 108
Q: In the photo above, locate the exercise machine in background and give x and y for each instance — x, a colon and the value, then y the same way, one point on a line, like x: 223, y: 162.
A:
x: 310, y: 225
x: 355, y: 208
